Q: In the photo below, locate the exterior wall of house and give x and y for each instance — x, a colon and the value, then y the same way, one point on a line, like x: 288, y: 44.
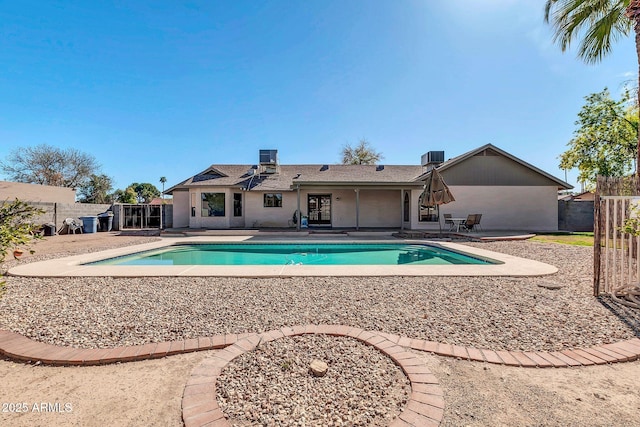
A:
x: 533, y: 208
x: 36, y: 193
x: 342, y: 205
x: 180, y: 209
x: 257, y: 215
x: 378, y: 208
x: 195, y: 202
x: 507, y: 207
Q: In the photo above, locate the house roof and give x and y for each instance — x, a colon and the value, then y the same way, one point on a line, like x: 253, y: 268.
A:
x: 288, y: 176
x: 463, y: 157
x: 161, y: 201
x: 584, y: 196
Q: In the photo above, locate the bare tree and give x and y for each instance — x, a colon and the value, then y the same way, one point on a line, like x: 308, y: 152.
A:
x: 47, y: 165
x: 97, y: 189
x: 362, y: 154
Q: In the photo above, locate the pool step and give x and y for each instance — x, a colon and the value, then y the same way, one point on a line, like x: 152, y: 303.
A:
x: 328, y: 233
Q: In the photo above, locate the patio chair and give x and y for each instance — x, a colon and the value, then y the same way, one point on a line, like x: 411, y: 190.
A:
x: 478, y: 218
x: 447, y: 221
x: 72, y: 225
x: 469, y: 223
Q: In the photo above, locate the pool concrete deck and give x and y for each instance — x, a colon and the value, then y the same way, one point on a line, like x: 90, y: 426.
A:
x: 73, y: 266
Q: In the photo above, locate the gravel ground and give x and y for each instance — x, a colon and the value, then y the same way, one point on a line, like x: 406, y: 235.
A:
x: 272, y: 385
x: 498, y: 313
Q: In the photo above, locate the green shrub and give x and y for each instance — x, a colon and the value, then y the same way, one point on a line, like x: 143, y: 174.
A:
x: 16, y: 229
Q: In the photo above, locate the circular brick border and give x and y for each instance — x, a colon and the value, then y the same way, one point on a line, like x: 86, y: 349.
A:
x: 424, y: 408
x: 18, y: 347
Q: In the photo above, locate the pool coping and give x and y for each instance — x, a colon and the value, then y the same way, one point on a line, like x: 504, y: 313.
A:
x: 72, y: 266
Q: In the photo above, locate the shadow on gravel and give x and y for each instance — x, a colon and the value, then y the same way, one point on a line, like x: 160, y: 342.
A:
x: 630, y: 316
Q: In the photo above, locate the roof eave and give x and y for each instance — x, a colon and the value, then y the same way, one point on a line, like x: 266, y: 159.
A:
x: 355, y: 184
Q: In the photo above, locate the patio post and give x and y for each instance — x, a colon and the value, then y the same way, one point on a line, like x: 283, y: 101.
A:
x: 401, y: 209
x: 357, y: 190
x: 299, y: 213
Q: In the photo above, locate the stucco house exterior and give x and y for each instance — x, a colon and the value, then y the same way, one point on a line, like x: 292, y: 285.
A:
x: 510, y: 193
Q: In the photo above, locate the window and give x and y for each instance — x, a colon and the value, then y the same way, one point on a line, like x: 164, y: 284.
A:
x: 237, y: 204
x: 212, y: 204
x: 428, y: 214
x: 273, y: 200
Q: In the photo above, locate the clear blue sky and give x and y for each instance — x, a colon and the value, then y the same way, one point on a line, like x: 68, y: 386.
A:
x: 166, y: 88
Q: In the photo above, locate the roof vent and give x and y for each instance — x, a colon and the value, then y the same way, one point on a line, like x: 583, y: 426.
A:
x: 324, y: 168
x: 379, y: 168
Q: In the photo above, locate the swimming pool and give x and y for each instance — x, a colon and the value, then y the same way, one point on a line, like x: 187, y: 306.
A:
x: 85, y: 265
x: 298, y: 254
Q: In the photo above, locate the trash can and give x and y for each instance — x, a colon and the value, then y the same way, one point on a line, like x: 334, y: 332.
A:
x: 105, y: 221
x: 89, y: 224
x: 49, y: 229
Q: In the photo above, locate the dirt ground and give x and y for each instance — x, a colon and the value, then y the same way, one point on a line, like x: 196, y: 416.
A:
x: 149, y: 392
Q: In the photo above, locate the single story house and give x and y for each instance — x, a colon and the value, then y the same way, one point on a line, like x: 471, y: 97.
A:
x: 510, y: 193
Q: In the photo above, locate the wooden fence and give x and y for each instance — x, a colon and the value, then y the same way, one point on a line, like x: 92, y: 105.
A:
x: 616, y: 266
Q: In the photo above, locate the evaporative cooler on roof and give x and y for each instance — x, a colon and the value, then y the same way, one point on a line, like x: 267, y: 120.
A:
x: 268, y: 157
x: 432, y: 157
x: 269, y: 161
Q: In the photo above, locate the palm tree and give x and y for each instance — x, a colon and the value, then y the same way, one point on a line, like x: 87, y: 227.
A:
x: 163, y: 180
x: 598, y: 23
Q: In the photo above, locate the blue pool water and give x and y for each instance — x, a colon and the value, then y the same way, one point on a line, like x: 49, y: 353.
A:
x: 297, y: 254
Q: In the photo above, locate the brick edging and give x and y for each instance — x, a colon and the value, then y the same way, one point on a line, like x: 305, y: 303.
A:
x: 622, y: 351
x: 18, y: 347
x: 425, y: 406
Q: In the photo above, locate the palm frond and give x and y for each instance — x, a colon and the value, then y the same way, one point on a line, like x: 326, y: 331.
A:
x: 598, y: 23
x: 600, y: 36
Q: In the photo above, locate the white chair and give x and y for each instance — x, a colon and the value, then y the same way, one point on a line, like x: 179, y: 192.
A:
x: 72, y: 225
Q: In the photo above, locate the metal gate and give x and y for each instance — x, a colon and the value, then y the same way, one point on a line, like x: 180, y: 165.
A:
x: 140, y: 216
